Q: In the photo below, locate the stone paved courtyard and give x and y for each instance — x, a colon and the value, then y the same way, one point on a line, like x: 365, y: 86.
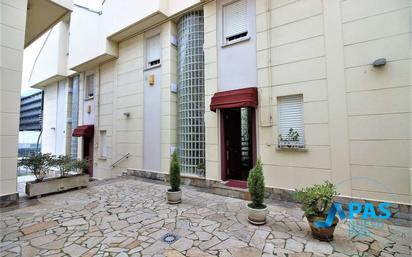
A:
x: 129, y: 217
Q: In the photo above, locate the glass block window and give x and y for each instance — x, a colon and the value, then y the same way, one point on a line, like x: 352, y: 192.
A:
x: 291, y: 125
x: 191, y: 102
x: 75, y: 114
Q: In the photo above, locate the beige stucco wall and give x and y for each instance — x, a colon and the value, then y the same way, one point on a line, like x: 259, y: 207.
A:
x: 378, y: 99
x: 357, y: 118
x: 51, y: 62
x: 211, y: 86
x: 121, y: 91
x: 12, y: 29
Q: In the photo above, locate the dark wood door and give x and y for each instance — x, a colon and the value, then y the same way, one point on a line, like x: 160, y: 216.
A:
x: 88, y: 154
x: 238, y: 147
x: 232, y: 143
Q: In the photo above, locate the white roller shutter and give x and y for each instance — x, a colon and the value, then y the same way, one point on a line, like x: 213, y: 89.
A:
x: 291, y: 116
x: 235, y: 18
x: 153, y: 49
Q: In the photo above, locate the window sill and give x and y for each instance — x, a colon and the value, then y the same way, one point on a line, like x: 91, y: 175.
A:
x: 292, y: 149
x: 236, y: 41
x: 89, y: 98
x: 103, y: 158
x: 152, y: 67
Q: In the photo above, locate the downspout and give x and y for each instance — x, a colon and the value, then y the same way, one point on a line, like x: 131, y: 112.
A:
x: 270, y: 59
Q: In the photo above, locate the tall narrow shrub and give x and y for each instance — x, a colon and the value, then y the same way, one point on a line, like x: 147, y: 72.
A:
x: 174, y: 173
x: 256, y: 186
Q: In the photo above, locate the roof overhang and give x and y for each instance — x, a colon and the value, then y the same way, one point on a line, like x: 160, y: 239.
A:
x: 137, y: 27
x: 245, y: 97
x: 46, y: 82
x: 42, y: 15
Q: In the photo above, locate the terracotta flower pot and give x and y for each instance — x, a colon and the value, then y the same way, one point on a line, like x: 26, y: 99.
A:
x: 174, y: 197
x: 257, y: 216
x: 322, y: 234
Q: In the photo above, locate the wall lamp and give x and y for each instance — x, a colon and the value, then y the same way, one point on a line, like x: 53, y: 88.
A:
x: 379, y: 62
x: 127, y: 114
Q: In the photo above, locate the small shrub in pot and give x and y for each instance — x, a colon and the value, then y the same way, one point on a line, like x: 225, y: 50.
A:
x: 174, y: 194
x: 316, y: 201
x: 257, y: 210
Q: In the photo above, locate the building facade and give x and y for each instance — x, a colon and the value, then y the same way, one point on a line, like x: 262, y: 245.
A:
x: 22, y: 22
x: 318, y: 90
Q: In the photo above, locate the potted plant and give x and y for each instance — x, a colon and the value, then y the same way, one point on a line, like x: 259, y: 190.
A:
x: 316, y: 202
x: 256, y: 185
x: 174, y: 194
x: 291, y: 140
x: 201, y: 169
x: 39, y: 164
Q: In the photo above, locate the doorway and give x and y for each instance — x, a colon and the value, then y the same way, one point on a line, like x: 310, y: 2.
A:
x: 88, y: 154
x: 238, y: 144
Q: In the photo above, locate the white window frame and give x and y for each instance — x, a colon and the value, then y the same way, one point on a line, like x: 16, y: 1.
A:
x: 153, y: 62
x: 284, y: 105
x: 241, y: 35
x: 87, y: 86
x: 103, y: 143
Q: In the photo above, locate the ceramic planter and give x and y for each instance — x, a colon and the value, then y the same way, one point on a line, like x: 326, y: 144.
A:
x: 257, y: 216
x: 174, y: 197
x: 54, y: 185
x: 322, y: 234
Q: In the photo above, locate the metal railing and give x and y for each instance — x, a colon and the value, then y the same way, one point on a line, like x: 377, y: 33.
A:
x: 121, y: 159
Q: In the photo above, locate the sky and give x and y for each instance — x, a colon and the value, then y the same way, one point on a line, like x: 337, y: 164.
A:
x: 30, y: 53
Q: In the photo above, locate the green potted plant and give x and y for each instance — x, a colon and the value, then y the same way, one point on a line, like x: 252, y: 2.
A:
x: 174, y: 194
x: 201, y: 168
x: 291, y: 140
x: 38, y: 164
x: 316, y: 201
x: 257, y: 210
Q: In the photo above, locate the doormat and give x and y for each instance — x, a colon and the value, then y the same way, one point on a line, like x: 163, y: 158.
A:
x: 237, y: 183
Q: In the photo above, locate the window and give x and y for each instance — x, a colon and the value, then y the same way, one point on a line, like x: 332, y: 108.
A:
x: 235, y: 21
x: 90, y: 86
x: 103, y: 143
x: 291, y: 126
x: 153, y: 51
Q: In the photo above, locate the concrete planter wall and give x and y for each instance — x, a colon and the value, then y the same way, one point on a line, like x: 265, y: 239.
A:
x: 54, y: 185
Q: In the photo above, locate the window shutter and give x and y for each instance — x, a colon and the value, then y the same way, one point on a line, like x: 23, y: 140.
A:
x: 235, y: 18
x: 103, y: 143
x: 153, y: 48
x: 291, y: 116
x: 90, y: 85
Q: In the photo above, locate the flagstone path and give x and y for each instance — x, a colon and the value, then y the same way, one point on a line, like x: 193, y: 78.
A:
x: 129, y: 217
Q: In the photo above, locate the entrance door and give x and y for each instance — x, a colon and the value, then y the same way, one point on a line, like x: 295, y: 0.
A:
x: 238, y: 143
x: 88, y: 154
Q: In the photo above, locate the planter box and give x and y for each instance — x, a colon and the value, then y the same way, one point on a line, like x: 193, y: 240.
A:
x: 54, y: 185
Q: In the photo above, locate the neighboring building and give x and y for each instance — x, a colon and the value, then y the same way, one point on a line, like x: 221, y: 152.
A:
x: 31, y: 104
x: 31, y: 112
x: 22, y: 22
x: 225, y: 82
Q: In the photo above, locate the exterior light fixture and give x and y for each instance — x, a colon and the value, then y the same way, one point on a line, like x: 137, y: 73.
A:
x: 379, y: 62
x: 127, y: 114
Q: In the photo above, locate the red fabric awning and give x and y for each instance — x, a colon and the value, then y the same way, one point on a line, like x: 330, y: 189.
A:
x: 245, y: 97
x: 84, y: 131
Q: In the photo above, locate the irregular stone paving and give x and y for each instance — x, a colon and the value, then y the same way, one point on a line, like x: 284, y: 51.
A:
x: 128, y: 217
